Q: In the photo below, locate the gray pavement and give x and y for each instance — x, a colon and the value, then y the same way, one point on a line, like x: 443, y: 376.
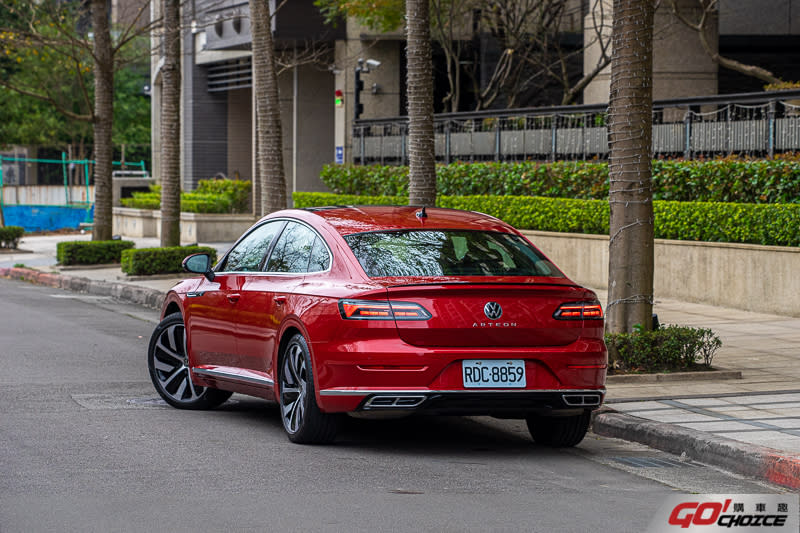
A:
x: 746, y: 418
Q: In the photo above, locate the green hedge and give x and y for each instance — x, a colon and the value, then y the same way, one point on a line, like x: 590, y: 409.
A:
x: 10, y: 235
x: 693, y: 221
x: 670, y: 348
x: 91, y: 252
x: 730, y: 179
x: 148, y: 261
x: 211, y: 196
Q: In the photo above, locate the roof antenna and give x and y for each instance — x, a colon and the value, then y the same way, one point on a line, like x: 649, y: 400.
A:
x: 422, y: 214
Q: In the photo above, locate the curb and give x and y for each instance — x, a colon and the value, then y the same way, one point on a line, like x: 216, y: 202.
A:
x: 760, y: 462
x: 705, y: 375
x: 151, y: 298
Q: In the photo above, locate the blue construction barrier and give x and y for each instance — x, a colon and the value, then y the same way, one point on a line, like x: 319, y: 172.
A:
x: 47, y: 217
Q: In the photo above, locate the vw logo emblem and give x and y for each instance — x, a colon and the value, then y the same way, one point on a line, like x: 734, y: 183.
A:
x: 492, y: 310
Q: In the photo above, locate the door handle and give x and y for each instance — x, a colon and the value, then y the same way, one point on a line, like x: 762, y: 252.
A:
x: 280, y: 300
x: 233, y: 298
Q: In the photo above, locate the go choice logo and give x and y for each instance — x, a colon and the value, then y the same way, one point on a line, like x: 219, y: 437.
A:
x: 728, y: 512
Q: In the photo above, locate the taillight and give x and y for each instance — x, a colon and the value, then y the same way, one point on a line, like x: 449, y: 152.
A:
x: 375, y: 310
x: 579, y: 311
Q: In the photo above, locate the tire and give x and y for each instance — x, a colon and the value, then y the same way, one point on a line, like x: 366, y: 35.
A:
x: 559, y: 431
x: 302, y: 419
x: 169, y: 370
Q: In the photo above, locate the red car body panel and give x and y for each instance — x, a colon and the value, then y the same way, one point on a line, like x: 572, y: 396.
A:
x: 236, y: 323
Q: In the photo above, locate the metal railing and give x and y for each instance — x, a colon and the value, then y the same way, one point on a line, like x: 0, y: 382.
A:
x: 755, y: 124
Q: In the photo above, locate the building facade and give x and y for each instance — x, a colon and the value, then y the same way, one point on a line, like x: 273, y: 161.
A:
x: 318, y: 97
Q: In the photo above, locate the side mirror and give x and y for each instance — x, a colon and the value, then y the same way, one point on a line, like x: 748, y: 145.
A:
x: 199, y: 264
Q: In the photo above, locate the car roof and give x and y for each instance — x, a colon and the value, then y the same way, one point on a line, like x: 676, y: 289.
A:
x: 347, y: 220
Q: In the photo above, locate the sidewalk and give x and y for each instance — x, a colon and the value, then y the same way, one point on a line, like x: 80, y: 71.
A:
x: 749, y: 425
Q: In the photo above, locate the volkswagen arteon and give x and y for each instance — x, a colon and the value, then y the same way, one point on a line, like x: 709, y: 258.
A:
x: 380, y: 311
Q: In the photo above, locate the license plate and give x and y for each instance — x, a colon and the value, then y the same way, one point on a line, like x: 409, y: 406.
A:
x: 493, y: 373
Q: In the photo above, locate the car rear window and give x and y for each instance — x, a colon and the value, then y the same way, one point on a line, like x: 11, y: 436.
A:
x: 447, y: 253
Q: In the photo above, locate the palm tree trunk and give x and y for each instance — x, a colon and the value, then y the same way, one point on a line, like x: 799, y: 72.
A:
x: 170, y: 126
x: 630, y: 266
x: 421, y: 155
x: 103, y: 120
x: 272, y: 178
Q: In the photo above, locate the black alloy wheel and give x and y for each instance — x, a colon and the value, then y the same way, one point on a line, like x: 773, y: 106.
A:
x: 302, y: 419
x: 169, y: 368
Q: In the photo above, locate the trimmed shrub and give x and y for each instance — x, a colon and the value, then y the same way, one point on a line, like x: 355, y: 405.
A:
x: 91, y: 252
x: 10, y: 235
x: 142, y: 200
x: 211, y: 196
x: 670, y: 348
x: 238, y: 191
x: 148, y: 261
x: 693, y: 221
x: 729, y: 179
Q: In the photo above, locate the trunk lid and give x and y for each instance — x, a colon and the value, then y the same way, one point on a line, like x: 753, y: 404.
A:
x: 477, y: 315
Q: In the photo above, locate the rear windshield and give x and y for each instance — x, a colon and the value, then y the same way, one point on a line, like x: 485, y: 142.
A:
x: 447, y: 253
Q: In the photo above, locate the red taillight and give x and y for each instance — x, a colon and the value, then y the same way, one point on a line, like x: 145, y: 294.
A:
x: 579, y: 311
x: 374, y: 310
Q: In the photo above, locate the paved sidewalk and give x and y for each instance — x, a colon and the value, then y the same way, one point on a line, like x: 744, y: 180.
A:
x: 749, y: 425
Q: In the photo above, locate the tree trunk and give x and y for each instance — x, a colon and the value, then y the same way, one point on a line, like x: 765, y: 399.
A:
x: 269, y: 137
x: 421, y: 155
x: 103, y: 120
x: 630, y: 266
x: 170, y: 127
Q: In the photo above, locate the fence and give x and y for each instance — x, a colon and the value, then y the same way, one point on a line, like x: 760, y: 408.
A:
x: 755, y: 124
x: 71, y: 195
x: 52, y: 207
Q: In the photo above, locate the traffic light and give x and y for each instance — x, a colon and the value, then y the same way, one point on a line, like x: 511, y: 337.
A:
x: 338, y: 98
x: 358, y: 106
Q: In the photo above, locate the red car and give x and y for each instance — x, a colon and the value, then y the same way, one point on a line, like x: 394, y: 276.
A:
x: 374, y: 310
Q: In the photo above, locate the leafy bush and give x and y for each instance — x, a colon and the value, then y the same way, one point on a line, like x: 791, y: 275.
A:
x: 670, y: 348
x: 693, y: 221
x: 148, y: 261
x: 211, y: 196
x: 238, y: 191
x: 10, y: 235
x: 91, y: 252
x: 729, y: 179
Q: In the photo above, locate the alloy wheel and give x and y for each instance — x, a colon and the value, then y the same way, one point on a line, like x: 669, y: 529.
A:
x: 170, y: 365
x: 294, y: 387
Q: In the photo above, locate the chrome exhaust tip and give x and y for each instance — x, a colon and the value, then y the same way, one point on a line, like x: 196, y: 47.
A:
x: 381, y: 401
x: 582, y: 400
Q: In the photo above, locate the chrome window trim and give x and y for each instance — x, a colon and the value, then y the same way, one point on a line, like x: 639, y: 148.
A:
x: 274, y: 273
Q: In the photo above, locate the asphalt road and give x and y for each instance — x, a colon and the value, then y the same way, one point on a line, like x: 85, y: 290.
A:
x: 85, y: 445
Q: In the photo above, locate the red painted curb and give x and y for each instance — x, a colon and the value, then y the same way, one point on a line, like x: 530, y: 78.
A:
x: 767, y: 464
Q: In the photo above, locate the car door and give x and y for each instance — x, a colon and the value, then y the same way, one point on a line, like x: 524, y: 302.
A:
x: 213, y: 310
x: 267, y: 298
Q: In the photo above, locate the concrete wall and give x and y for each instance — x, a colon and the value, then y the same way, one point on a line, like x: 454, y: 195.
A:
x: 195, y: 227
x: 761, y: 17
x: 681, y: 67
x: 742, y: 276
x: 386, y: 102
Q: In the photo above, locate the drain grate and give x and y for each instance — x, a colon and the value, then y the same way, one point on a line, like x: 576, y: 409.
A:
x: 651, y: 462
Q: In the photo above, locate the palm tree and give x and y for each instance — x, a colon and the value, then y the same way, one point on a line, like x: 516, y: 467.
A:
x: 630, y: 266
x: 170, y: 126
x: 421, y: 155
x: 269, y: 137
x: 103, y: 119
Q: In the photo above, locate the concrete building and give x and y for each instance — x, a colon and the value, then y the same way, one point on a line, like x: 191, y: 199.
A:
x: 318, y: 99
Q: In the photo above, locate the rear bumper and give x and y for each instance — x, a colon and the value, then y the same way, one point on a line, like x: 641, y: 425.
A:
x: 516, y: 404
